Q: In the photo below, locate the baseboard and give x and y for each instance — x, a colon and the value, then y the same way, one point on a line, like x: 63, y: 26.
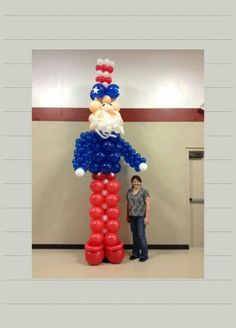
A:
x: 126, y: 246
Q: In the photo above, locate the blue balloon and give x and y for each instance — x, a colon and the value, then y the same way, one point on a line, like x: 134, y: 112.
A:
x: 99, y: 157
x: 137, y: 163
x: 108, y: 146
x: 106, y: 168
x: 119, y: 148
x: 114, y: 158
x: 94, y: 168
x: 137, y: 169
x: 126, y: 154
x: 116, y: 168
x: 127, y: 159
x: 113, y: 91
x: 143, y: 160
x: 98, y: 91
x: 95, y: 147
x: 84, y: 166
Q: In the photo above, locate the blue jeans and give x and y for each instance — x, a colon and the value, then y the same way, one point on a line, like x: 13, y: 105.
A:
x: 140, y: 247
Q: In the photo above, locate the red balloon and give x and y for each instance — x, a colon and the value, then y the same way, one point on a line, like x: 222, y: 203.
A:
x: 115, y: 254
x: 96, y: 199
x: 98, y: 78
x: 115, y: 257
x: 101, y: 176
x: 110, y: 69
x: 94, y: 176
x: 98, y: 67
x: 113, y: 186
x: 108, y: 80
x: 94, y: 258
x: 110, y: 176
x: 112, y: 200
x: 96, y: 186
x: 113, y: 213
x: 96, y: 239
x: 96, y: 212
x: 111, y: 239
x: 97, y: 225
x: 112, y: 225
x: 103, y: 68
x: 102, y: 79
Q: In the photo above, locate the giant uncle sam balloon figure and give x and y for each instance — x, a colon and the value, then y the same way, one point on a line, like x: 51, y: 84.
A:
x: 99, y: 151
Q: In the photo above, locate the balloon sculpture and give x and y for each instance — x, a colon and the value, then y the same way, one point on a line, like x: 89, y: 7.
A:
x: 99, y: 151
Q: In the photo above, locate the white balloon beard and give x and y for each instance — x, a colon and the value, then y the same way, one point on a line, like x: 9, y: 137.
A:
x: 105, y: 123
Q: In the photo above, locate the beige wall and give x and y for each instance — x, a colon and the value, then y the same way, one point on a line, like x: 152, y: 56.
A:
x: 60, y: 200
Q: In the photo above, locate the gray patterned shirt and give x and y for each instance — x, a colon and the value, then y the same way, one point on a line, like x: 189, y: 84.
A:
x: 136, y: 203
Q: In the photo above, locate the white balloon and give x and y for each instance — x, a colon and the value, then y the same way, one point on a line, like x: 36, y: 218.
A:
x: 98, y: 73
x: 79, y: 172
x: 112, y: 63
x: 105, y: 84
x: 100, y: 61
x: 143, y: 167
x: 106, y: 74
x: 107, y: 61
x: 105, y: 181
x: 104, y: 206
x: 105, y: 218
x: 104, y: 192
x: 104, y: 231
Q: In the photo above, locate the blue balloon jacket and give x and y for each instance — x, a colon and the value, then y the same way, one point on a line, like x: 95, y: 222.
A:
x: 95, y: 154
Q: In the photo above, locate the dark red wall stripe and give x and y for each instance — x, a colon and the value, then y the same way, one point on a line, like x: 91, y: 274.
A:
x: 128, y: 114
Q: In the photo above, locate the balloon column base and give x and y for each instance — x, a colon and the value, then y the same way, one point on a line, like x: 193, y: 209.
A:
x: 115, y: 254
x: 94, y: 254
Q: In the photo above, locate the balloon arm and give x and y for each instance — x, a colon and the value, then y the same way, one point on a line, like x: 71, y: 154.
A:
x: 133, y: 158
x: 81, y: 159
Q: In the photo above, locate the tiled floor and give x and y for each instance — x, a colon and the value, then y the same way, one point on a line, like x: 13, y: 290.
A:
x: 168, y: 264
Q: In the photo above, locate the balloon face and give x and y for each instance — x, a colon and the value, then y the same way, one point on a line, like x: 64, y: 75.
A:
x: 113, y: 186
x: 112, y: 225
x: 95, y: 212
x: 112, y: 200
x: 111, y: 239
x: 96, y: 199
x: 113, y: 213
x: 96, y: 239
x: 96, y: 186
x: 97, y: 225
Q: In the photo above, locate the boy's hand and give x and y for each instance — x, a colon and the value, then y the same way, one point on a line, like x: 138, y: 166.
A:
x: 146, y: 220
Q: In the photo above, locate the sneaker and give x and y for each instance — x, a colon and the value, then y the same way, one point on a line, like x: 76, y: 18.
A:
x: 133, y: 257
x: 143, y: 259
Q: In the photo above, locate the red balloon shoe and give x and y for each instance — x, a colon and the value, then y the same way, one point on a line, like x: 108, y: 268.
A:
x: 115, y: 254
x: 94, y: 254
